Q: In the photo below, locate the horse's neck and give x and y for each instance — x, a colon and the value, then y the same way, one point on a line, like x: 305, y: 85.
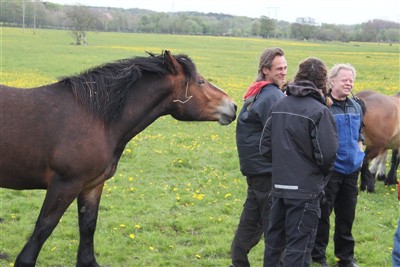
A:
x: 140, y: 111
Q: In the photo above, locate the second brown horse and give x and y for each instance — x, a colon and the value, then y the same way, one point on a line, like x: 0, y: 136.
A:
x: 381, y: 132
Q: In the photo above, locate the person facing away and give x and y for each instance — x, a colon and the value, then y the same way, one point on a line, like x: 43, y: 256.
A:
x: 258, y: 100
x: 341, y: 191
x: 300, y: 140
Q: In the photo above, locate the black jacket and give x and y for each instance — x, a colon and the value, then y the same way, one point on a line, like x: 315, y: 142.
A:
x: 300, y: 140
x: 250, y: 123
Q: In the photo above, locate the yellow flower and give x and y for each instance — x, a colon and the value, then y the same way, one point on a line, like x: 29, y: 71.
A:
x: 151, y: 248
x: 132, y: 236
x: 198, y: 256
x: 122, y: 225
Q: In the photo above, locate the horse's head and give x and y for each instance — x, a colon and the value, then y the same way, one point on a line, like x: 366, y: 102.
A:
x: 193, y: 97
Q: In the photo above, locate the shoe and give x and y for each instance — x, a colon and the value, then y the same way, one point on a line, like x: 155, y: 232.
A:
x: 350, y: 264
x: 321, y: 262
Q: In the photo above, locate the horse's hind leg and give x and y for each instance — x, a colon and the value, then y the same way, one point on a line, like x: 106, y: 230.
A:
x: 394, y: 164
x: 88, y: 206
x: 381, y: 172
x: 57, y: 200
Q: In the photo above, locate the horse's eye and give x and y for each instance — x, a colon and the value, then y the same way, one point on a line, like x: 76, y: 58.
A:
x: 201, y: 82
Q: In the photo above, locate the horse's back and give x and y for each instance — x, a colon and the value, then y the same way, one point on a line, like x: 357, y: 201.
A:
x: 37, y: 126
x: 381, y: 119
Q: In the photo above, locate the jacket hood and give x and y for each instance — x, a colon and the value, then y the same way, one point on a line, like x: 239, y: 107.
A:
x: 305, y: 88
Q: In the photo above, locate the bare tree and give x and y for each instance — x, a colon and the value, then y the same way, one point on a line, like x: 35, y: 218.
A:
x: 81, y: 20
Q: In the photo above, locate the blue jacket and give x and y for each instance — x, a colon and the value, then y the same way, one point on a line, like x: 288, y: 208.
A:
x: 349, y: 125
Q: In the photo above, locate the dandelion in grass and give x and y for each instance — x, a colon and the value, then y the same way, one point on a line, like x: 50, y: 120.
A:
x: 228, y: 195
x: 137, y: 226
x: 214, y: 137
x: 151, y: 248
x: 122, y: 225
x: 198, y: 256
x: 132, y: 236
x: 198, y: 196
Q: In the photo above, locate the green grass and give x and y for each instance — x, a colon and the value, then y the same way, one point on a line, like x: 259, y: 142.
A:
x: 178, y: 192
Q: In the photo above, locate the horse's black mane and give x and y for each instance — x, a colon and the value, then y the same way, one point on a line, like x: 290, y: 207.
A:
x: 102, y: 89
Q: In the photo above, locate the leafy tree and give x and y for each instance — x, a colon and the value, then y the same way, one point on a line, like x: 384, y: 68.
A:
x: 267, y: 27
x: 304, y: 28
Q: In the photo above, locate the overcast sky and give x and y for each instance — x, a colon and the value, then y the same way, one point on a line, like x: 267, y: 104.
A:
x: 323, y: 11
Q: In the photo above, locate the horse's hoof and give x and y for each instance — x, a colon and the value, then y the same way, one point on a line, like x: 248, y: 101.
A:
x: 389, y: 182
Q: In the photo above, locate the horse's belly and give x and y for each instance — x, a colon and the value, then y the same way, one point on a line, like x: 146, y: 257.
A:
x: 19, y: 174
x: 21, y: 183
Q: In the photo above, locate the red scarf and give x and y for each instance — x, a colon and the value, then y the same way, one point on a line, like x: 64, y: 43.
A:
x: 254, y: 88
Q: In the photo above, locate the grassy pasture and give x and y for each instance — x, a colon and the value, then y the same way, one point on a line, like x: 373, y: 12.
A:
x: 177, y: 195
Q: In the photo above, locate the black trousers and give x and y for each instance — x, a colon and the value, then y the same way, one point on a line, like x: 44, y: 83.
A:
x: 253, y: 220
x: 292, y: 228
x: 341, y: 197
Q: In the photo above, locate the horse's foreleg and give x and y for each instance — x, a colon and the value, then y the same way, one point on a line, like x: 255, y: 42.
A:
x: 364, y: 168
x: 88, y: 206
x: 394, y: 164
x: 57, y: 200
x: 367, y: 180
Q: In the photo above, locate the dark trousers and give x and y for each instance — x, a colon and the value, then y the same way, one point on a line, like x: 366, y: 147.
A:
x: 292, y: 228
x: 253, y: 220
x: 341, y: 197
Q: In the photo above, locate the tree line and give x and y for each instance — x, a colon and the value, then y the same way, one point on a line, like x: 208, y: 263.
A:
x: 80, y: 19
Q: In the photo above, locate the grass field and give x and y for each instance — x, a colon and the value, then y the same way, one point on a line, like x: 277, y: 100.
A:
x: 178, y: 192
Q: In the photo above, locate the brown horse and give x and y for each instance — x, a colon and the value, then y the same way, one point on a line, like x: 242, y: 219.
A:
x: 381, y: 132
x: 67, y: 137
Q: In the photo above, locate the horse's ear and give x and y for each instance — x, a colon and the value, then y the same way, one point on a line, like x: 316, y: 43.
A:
x: 170, y: 62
